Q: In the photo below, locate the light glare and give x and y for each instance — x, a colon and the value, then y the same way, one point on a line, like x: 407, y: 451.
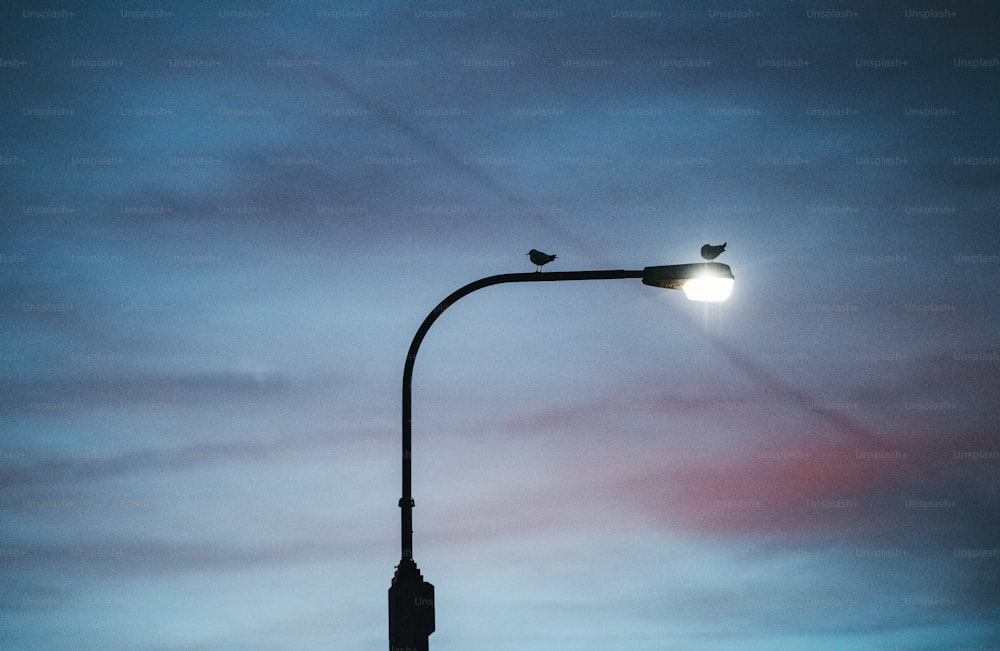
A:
x: 708, y: 289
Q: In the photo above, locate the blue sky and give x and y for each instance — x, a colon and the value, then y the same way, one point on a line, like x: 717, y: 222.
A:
x: 222, y: 224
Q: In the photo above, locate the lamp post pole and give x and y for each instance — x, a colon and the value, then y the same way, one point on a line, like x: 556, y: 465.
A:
x: 411, y: 599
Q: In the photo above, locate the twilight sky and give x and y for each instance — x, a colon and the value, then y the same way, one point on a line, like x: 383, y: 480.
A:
x: 222, y: 223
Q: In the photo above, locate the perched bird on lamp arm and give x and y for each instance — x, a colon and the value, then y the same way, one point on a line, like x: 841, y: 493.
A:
x: 538, y: 258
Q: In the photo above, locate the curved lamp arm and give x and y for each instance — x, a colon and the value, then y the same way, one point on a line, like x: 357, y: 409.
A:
x: 406, y: 501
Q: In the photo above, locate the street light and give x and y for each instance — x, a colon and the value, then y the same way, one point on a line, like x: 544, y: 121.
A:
x: 701, y: 281
x: 411, y: 599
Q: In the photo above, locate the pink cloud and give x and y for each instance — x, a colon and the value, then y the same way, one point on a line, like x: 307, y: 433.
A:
x: 818, y: 487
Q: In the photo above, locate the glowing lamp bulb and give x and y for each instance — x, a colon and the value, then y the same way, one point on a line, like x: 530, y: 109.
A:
x: 711, y: 288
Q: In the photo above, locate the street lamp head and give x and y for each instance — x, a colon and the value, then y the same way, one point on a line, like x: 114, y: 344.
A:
x: 701, y: 281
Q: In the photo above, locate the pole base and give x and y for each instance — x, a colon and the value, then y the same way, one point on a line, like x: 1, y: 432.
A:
x: 411, y: 609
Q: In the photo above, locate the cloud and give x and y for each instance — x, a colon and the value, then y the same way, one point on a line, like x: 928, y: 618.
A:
x: 118, y: 390
x: 91, y: 465
x: 130, y: 558
x: 822, y: 493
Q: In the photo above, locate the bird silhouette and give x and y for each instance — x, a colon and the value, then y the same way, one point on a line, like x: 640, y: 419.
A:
x: 538, y: 258
x: 710, y: 252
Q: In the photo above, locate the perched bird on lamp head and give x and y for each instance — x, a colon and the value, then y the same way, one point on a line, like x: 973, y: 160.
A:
x: 710, y: 252
x: 538, y: 258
